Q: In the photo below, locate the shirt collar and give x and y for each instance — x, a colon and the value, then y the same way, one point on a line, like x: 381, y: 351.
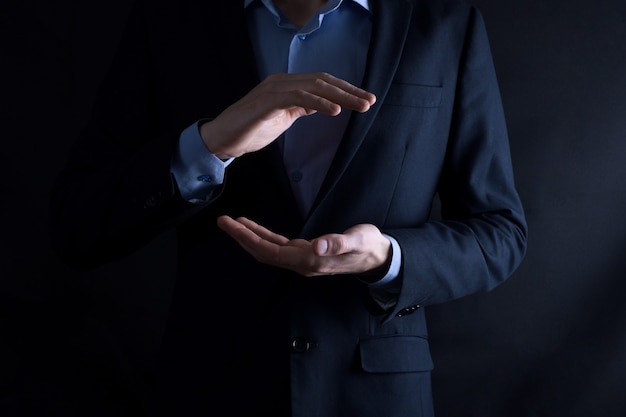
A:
x: 364, y: 3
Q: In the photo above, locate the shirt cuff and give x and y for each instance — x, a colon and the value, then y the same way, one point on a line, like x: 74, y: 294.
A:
x: 386, y: 290
x: 196, y: 170
x: 394, y: 266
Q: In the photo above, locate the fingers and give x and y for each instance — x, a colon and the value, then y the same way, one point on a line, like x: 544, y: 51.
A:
x: 266, y: 246
x: 270, y: 108
x: 263, y: 250
x: 320, y: 92
x: 257, y: 229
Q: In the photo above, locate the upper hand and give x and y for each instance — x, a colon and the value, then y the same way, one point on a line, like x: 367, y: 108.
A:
x: 271, y: 107
x: 361, y: 249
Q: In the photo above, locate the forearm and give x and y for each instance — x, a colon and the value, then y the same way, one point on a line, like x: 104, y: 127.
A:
x: 445, y: 260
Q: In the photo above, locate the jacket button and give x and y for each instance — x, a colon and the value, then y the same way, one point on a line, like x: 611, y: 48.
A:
x: 407, y: 311
x: 300, y: 344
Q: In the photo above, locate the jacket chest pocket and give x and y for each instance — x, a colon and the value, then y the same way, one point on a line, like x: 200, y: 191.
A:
x: 413, y: 95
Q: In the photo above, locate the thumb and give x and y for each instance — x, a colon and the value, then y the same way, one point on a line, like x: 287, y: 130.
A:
x: 331, y: 245
x: 320, y: 246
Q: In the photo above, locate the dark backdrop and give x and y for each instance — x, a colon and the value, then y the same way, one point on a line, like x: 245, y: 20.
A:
x: 551, y: 341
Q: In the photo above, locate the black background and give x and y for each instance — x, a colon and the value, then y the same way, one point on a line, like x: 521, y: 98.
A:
x: 551, y: 341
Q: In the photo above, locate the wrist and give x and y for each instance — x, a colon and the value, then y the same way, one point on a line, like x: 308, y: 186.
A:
x: 208, y: 135
x: 377, y: 273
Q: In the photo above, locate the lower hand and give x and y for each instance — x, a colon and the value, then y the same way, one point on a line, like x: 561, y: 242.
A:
x: 362, y: 249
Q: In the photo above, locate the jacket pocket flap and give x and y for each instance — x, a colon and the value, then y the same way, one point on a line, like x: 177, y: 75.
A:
x: 395, y: 354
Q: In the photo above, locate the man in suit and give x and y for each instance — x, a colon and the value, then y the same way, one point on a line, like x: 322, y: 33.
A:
x: 297, y: 147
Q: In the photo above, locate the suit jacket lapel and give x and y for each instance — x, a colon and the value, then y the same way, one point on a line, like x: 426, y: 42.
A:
x: 389, y: 30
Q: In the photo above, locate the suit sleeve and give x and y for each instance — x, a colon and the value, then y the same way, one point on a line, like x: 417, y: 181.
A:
x: 481, y: 237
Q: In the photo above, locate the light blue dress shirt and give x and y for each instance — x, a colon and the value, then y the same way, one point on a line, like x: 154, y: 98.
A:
x: 336, y: 41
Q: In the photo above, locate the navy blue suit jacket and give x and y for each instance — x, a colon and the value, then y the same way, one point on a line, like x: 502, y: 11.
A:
x: 243, y: 336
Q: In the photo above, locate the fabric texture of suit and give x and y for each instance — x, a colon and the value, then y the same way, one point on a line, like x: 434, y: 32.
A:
x: 242, y: 335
